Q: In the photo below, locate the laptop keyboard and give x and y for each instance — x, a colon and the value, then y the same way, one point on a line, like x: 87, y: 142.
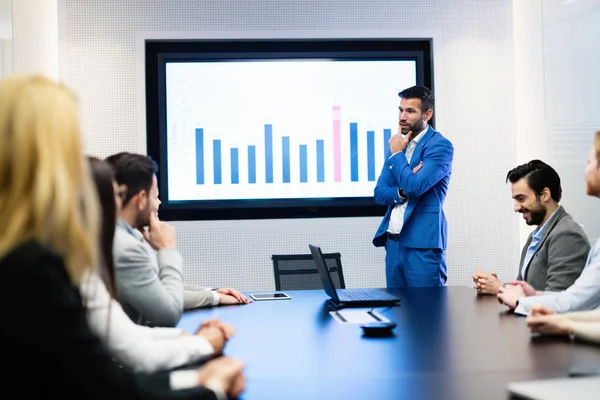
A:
x: 365, y: 295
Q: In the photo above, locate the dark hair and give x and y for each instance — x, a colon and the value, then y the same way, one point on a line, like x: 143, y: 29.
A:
x: 133, y: 170
x: 103, y: 176
x: 419, y: 92
x: 538, y: 175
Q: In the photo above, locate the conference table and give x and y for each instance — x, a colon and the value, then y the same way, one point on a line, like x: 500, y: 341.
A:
x: 449, y: 343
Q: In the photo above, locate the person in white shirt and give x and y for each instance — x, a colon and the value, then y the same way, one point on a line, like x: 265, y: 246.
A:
x: 584, y: 294
x: 140, y: 348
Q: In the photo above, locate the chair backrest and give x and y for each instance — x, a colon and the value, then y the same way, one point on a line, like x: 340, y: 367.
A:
x: 298, y: 271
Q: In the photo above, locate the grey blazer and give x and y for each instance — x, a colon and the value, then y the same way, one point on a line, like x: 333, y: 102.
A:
x: 560, y: 255
x: 150, y: 283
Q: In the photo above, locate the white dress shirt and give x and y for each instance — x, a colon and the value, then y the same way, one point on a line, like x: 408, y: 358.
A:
x: 583, y: 294
x: 141, y: 348
x: 397, y: 215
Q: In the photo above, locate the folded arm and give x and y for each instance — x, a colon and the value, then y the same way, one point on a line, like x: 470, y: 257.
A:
x: 387, y: 191
x: 437, y: 161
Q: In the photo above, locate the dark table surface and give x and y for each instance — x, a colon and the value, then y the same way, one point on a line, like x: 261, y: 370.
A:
x: 449, y: 343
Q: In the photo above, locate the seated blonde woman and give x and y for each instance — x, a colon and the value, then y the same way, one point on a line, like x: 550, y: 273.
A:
x: 48, y: 244
x: 141, y: 348
x: 584, y: 325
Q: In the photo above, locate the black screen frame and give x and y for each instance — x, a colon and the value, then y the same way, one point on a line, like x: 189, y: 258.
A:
x: 159, y: 52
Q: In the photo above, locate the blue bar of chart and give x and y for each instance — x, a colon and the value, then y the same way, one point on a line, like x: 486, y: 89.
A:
x: 303, y: 163
x: 235, y: 173
x: 251, y: 164
x: 353, y: 151
x: 200, y: 156
x: 387, y: 134
x: 269, y: 153
x: 371, y: 155
x: 217, y: 161
x: 285, y: 158
x: 320, y: 160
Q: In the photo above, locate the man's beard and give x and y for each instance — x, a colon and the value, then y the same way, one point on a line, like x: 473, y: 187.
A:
x: 143, y: 218
x: 415, y: 128
x: 536, y: 216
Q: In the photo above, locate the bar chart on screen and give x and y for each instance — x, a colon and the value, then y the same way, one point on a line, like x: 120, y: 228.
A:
x: 293, y: 130
x: 318, y: 146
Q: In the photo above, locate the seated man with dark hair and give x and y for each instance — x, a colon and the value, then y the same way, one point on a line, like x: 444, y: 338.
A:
x: 555, y: 252
x: 148, y: 266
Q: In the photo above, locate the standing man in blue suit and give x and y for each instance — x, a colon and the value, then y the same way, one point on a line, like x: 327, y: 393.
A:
x: 413, y: 184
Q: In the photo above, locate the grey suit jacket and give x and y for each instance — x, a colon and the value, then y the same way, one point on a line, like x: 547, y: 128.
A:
x: 149, y: 283
x: 560, y: 255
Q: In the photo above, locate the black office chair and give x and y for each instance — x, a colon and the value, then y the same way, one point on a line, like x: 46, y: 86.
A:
x: 298, y: 271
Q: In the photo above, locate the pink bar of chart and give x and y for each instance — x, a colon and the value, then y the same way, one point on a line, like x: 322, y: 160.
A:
x: 337, y: 146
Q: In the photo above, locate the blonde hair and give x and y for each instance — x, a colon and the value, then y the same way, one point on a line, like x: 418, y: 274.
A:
x: 46, y: 192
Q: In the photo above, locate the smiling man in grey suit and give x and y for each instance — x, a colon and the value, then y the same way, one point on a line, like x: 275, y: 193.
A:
x: 556, y: 251
x: 584, y: 293
x: 148, y: 266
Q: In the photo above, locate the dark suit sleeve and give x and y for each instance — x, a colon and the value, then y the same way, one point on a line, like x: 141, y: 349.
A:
x: 567, y: 254
x: 47, y: 340
x: 437, y: 161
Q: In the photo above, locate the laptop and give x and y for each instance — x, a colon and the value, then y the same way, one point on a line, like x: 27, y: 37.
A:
x: 342, y: 298
x: 582, y: 388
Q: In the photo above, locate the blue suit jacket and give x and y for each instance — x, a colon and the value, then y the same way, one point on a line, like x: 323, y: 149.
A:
x: 425, y: 224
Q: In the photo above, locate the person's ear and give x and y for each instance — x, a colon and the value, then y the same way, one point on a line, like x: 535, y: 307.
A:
x: 428, y: 114
x: 546, y: 195
x: 139, y: 200
x: 143, y: 200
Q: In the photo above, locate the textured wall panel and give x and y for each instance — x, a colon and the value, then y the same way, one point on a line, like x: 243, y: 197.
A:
x: 572, y: 83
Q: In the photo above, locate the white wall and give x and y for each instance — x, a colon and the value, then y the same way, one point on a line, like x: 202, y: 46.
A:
x: 5, y: 19
x: 529, y: 101
x: 474, y: 74
x: 571, y: 31
x: 5, y: 38
x: 35, y: 37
